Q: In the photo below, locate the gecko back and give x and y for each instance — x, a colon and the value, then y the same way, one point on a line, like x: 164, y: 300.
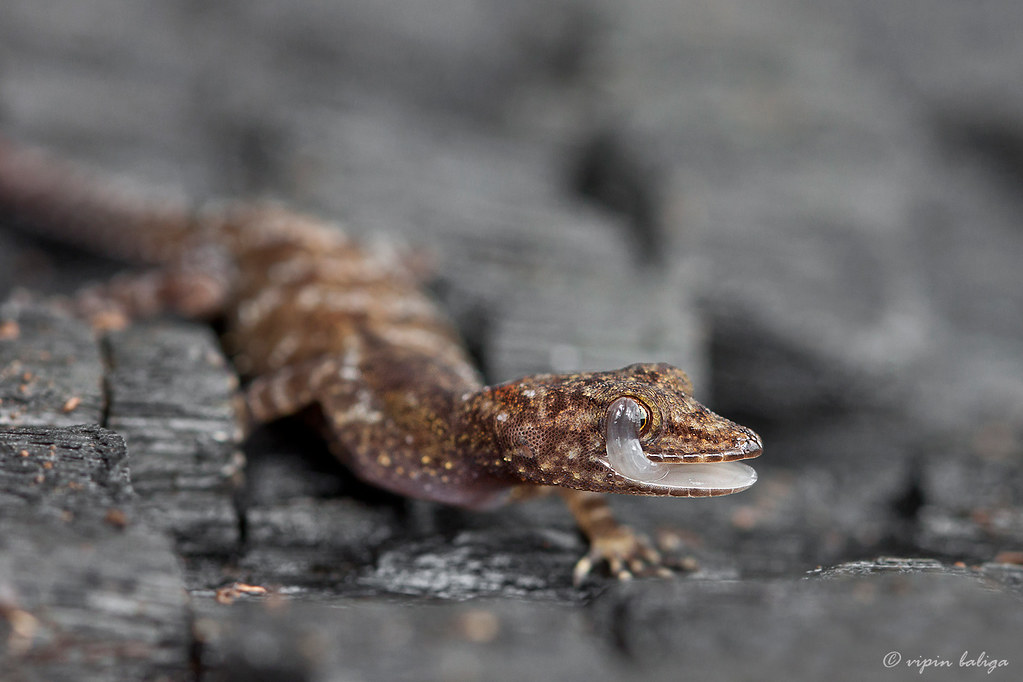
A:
x: 310, y: 318
x: 291, y: 286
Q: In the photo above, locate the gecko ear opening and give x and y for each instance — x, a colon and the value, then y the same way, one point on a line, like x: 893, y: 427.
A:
x: 625, y: 455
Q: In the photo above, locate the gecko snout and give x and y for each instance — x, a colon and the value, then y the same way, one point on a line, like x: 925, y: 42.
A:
x: 707, y: 466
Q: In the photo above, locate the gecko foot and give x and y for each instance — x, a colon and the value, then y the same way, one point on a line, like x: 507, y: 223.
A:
x: 626, y: 553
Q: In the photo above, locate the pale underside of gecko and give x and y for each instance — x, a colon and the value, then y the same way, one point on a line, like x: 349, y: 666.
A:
x: 314, y: 321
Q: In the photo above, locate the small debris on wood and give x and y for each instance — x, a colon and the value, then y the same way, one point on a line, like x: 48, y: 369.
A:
x: 9, y: 329
x: 50, y: 368
x: 478, y: 625
x: 23, y: 628
x: 63, y: 469
x: 227, y: 594
x: 116, y: 517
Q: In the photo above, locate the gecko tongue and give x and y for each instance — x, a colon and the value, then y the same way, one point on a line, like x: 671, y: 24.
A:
x: 625, y: 454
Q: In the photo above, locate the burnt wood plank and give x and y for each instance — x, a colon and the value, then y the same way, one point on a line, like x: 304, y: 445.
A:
x: 87, y: 591
x: 171, y: 393
x: 61, y: 471
x: 51, y: 368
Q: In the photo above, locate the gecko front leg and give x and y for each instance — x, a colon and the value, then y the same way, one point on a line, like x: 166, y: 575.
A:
x: 626, y: 552
x: 291, y: 388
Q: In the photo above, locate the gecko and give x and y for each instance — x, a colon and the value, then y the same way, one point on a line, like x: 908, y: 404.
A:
x: 314, y: 320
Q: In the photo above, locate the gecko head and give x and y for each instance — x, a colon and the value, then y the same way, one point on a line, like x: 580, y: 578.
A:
x: 636, y: 430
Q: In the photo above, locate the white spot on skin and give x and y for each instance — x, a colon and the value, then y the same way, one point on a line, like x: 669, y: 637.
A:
x: 529, y: 393
x: 314, y: 296
x: 318, y: 296
x: 502, y: 417
x: 416, y: 337
x: 284, y: 349
x: 467, y: 373
x: 253, y: 310
x: 353, y: 355
x: 362, y: 411
x: 309, y: 296
x: 320, y: 374
x: 278, y: 394
x: 350, y: 373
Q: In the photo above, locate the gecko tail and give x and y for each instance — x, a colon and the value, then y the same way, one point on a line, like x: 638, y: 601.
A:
x: 57, y: 200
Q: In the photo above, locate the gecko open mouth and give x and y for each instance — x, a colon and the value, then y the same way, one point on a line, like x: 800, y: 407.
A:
x: 627, y: 458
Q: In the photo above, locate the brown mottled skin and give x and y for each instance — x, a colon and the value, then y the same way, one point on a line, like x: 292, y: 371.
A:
x: 313, y: 320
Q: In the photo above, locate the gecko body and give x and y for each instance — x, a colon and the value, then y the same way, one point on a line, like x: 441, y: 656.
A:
x: 312, y: 319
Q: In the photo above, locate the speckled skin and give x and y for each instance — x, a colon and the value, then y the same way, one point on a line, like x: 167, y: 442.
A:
x: 312, y: 320
x: 549, y: 429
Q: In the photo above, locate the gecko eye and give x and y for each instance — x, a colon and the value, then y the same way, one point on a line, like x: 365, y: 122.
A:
x: 639, y: 413
x: 644, y: 420
x: 627, y: 418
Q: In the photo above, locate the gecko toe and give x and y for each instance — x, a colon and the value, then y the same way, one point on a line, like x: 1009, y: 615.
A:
x: 626, y: 554
x: 583, y: 567
x: 664, y: 572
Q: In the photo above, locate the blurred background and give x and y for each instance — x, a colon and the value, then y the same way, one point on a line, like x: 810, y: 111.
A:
x: 812, y: 207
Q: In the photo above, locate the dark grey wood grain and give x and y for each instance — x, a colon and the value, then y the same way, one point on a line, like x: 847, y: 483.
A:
x: 88, y: 600
x: 88, y: 591
x: 63, y: 470
x: 51, y: 368
x: 171, y: 394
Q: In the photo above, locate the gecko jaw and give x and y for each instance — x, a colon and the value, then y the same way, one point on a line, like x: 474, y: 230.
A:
x: 748, y: 447
x: 696, y: 474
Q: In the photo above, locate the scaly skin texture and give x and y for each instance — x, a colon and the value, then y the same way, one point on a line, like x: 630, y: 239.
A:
x: 312, y: 320
x: 549, y: 429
